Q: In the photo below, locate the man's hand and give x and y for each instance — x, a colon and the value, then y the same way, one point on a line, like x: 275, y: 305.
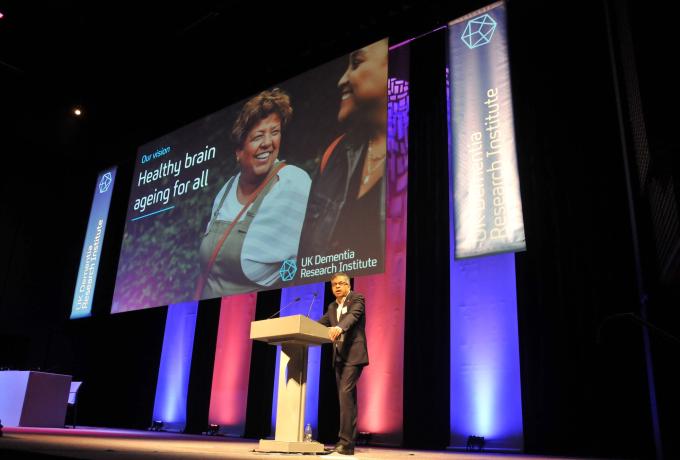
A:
x: 334, y: 332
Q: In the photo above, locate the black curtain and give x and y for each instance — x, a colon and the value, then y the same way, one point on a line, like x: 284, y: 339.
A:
x: 202, y: 364
x: 262, y: 370
x: 117, y: 359
x: 426, y: 343
x: 583, y: 377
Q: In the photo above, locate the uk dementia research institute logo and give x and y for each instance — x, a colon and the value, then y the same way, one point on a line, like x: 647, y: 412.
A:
x: 288, y: 270
x: 478, y: 31
x: 105, y: 182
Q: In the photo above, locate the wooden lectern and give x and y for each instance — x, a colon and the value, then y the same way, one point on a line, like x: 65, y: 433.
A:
x: 295, y: 334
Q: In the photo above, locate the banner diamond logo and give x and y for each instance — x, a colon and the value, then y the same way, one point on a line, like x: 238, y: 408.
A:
x: 288, y: 270
x: 105, y: 183
x: 478, y: 31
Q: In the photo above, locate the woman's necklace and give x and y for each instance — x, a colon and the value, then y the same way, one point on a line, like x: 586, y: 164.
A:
x: 373, y: 163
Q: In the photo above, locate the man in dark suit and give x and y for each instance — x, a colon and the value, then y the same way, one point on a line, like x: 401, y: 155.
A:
x: 346, y: 318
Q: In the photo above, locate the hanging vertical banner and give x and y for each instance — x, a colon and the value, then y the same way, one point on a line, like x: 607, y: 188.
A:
x: 94, y: 238
x: 487, y: 205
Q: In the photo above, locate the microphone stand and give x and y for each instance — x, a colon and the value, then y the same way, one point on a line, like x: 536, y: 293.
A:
x: 297, y: 299
x: 311, y: 304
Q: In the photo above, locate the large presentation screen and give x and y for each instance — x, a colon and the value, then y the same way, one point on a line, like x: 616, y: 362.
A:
x: 283, y: 188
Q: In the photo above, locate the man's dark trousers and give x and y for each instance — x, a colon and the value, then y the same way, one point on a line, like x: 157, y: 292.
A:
x: 346, y: 378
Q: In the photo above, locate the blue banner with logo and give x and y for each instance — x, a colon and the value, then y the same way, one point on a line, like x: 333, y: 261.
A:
x: 487, y: 205
x: 94, y: 238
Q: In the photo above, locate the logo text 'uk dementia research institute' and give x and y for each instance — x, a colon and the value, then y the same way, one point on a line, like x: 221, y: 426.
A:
x: 478, y: 31
x: 288, y: 270
x: 105, y: 183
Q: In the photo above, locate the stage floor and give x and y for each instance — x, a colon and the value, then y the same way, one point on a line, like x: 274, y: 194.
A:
x: 107, y: 443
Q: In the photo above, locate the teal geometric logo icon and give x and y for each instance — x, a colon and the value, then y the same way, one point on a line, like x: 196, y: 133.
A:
x: 478, y: 31
x: 105, y: 183
x: 288, y: 270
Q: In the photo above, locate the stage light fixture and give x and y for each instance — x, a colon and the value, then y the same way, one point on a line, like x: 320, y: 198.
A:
x: 77, y: 111
x: 213, y: 429
x: 156, y: 425
x: 475, y: 443
x: 364, y: 438
x: 1, y: 15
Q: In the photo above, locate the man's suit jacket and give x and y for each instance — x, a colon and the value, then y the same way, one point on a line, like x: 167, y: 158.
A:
x: 352, y: 351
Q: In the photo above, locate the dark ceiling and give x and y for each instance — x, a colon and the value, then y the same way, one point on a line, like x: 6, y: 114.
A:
x: 141, y: 70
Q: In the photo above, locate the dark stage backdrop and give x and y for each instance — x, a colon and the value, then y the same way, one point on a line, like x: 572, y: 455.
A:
x: 581, y: 396
x: 426, y: 354
x: 583, y: 382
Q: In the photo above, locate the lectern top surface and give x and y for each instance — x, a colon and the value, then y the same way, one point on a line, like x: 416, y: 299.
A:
x: 297, y: 329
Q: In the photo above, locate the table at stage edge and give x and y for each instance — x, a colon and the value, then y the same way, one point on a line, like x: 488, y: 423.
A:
x: 31, y: 398
x: 295, y: 334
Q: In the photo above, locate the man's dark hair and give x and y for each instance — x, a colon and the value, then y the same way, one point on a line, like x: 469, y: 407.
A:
x: 339, y: 274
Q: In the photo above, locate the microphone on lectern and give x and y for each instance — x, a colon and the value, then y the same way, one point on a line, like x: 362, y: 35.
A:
x: 309, y: 312
x: 297, y: 299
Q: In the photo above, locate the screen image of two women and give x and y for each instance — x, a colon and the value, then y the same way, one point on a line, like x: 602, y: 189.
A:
x: 260, y: 214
